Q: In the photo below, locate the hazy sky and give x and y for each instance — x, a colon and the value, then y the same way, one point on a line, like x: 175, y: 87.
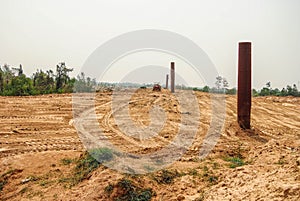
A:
x: 41, y: 33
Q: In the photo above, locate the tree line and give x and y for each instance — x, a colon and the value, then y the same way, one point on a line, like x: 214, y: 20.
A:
x: 13, y: 81
x: 222, y: 86
x: 269, y: 91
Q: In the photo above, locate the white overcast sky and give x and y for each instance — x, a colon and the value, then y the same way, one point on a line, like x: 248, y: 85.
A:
x: 41, y: 33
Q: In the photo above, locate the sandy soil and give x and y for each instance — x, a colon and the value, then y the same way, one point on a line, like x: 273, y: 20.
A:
x: 37, y: 134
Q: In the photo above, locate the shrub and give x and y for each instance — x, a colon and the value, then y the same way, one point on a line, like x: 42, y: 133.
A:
x: 131, y: 192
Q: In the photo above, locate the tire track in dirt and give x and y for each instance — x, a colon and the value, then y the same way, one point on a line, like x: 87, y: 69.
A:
x: 111, y: 131
x: 36, y: 124
x: 139, y: 104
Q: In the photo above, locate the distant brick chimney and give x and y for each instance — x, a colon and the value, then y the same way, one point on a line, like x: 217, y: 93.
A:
x: 172, y: 77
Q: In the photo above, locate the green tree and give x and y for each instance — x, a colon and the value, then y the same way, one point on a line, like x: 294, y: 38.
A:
x: 295, y: 91
x: 205, y: 89
x: 63, y: 81
x: 275, y: 92
x: 289, y: 90
x: 283, y: 92
x: 265, y: 91
x: 43, y: 82
x: 231, y: 91
x: 255, y: 93
x: 19, y: 86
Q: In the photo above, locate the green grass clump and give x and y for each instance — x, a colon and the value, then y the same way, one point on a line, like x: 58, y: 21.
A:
x: 109, y: 188
x: 86, y: 164
x: 102, y: 155
x: 66, y: 161
x: 91, y: 161
x: 130, y: 192
x: 235, y: 162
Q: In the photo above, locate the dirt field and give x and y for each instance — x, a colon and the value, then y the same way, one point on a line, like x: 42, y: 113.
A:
x: 39, y: 144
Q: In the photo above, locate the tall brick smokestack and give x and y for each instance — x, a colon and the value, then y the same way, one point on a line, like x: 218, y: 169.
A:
x: 244, y: 85
x: 172, y: 77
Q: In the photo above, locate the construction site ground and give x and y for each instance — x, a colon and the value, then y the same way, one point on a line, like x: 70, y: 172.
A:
x: 39, y: 144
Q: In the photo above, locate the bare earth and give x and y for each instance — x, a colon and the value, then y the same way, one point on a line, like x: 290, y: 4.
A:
x: 37, y: 133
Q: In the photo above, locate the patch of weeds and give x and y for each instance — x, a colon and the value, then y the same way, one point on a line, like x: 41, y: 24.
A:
x: 86, y: 164
x: 166, y: 176
x: 66, y: 161
x: 235, y: 162
x: 127, y: 191
x: 102, y: 155
x: 83, y: 168
x: 65, y: 180
x: 125, y: 184
x: 108, y: 189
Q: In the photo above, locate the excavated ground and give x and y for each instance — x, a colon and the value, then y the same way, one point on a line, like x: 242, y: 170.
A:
x: 38, y: 143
